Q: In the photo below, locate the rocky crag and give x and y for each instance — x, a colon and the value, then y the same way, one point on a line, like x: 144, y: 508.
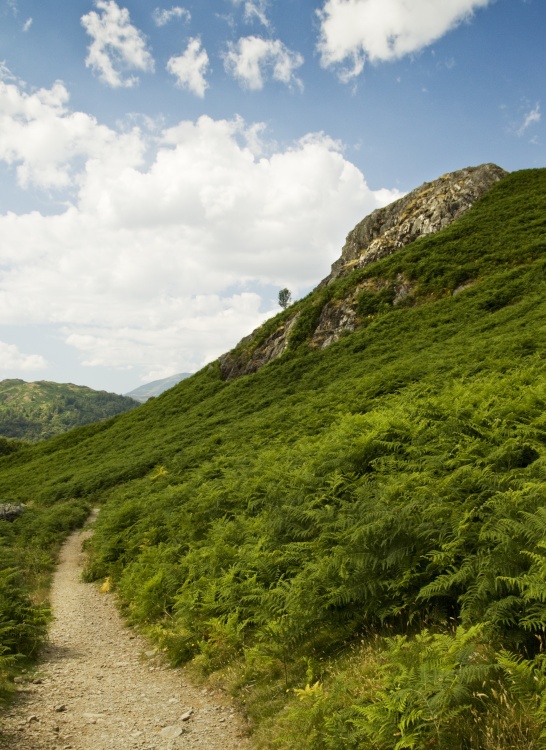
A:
x: 424, y: 211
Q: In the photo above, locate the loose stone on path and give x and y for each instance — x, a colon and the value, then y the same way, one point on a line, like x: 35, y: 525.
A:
x: 100, y: 687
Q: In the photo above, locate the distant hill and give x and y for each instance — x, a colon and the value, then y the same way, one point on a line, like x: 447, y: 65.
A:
x: 33, y: 411
x: 156, y: 387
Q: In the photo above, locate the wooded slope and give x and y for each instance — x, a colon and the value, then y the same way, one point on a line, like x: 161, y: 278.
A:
x: 34, y: 411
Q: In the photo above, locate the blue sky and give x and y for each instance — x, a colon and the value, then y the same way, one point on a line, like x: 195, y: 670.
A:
x: 166, y: 169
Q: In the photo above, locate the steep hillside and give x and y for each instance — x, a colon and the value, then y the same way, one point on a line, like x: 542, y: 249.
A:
x: 352, y: 537
x: 33, y: 411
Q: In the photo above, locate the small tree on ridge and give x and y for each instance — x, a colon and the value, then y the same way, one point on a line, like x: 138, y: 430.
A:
x: 285, y: 298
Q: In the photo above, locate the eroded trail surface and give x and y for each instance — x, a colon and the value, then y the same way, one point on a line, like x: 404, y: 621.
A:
x: 100, y: 687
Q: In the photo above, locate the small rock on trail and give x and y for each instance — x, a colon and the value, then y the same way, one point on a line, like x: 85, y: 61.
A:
x: 98, y: 687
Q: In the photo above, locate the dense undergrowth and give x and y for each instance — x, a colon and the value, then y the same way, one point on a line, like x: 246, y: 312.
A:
x: 354, y: 540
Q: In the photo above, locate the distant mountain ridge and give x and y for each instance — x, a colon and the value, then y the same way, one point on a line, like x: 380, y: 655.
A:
x: 156, y: 387
x: 37, y: 410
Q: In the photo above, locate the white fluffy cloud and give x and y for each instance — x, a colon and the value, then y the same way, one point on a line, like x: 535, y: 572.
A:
x: 162, y: 16
x: 190, y: 68
x: 117, y: 45
x: 12, y: 359
x: 171, y: 261
x: 44, y: 139
x: 353, y: 31
x: 252, y: 59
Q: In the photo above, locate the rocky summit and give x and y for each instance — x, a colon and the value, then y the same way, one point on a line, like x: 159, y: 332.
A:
x: 424, y: 211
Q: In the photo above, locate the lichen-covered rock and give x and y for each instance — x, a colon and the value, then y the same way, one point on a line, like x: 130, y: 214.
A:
x: 425, y: 210
x: 341, y: 316
x: 11, y: 511
x: 336, y: 318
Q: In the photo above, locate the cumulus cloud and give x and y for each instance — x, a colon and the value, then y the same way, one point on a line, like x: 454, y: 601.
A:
x: 253, y: 59
x: 353, y: 31
x: 531, y: 117
x: 162, y: 16
x: 27, y: 24
x: 195, y: 335
x: 117, y: 45
x: 43, y: 138
x: 191, y: 67
x: 12, y: 359
x: 165, y: 264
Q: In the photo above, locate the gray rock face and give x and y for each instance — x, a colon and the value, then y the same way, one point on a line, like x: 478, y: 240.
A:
x: 232, y: 366
x: 340, y: 316
x: 335, y: 319
x: 425, y: 210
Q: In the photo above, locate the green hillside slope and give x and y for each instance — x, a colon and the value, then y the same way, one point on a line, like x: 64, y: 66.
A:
x: 355, y: 535
x: 33, y: 411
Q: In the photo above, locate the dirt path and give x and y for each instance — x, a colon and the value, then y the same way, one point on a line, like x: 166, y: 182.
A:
x: 101, y: 688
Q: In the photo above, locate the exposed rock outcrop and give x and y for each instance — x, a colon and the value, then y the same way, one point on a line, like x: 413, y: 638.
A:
x: 234, y: 365
x: 425, y: 210
x: 341, y: 316
x: 336, y: 318
x: 11, y: 511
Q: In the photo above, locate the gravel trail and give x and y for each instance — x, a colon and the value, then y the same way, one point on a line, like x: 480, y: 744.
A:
x: 100, y: 687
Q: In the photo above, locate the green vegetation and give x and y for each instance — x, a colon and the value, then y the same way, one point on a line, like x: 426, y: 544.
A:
x: 355, y: 535
x: 33, y: 411
x: 8, y: 446
x: 285, y: 298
